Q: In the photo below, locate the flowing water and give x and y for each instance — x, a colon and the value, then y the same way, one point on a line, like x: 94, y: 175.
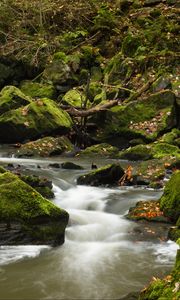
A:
x: 100, y: 259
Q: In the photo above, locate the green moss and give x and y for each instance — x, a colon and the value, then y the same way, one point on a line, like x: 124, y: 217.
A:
x: 40, y: 219
x: 105, y: 19
x: 118, y: 68
x: 35, y: 89
x: 12, y: 98
x: 153, y: 150
x: 41, y: 184
x: 19, y: 201
x: 2, y: 170
x: 165, y: 289
x: 39, y: 117
x: 160, y: 150
x: 130, y: 44
x: 170, y: 137
x: 139, y: 152
x: 170, y: 200
x: 74, y: 98
x: 47, y: 146
x: 103, y: 149
x: 174, y: 233
x: 141, y: 119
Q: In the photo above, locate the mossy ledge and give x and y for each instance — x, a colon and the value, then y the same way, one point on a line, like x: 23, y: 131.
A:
x: 26, y: 217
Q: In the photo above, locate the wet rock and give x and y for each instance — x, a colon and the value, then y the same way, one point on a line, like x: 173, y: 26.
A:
x: 71, y: 166
x: 47, y: 146
x: 26, y: 217
x: 150, y: 151
x: 55, y: 165
x: 147, y: 210
x: 102, y: 150
x: 108, y: 175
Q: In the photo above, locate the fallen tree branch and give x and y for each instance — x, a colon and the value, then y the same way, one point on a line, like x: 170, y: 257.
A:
x: 116, y: 87
x: 85, y: 113
x: 143, y: 89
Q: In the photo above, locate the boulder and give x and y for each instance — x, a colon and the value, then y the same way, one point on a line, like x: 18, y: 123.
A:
x: 71, y: 166
x: 170, y: 200
x: 75, y: 98
x: 37, y: 90
x: 41, y: 184
x: 33, y: 120
x: 150, y: 151
x: 107, y: 175
x: 147, y: 210
x: 103, y: 150
x: 145, y: 119
x: 12, y: 98
x: 47, y: 146
x: 26, y: 217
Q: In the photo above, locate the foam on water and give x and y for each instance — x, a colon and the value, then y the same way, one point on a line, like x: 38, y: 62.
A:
x: 10, y: 254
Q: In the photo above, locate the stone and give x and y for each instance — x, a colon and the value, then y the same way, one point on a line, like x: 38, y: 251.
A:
x: 170, y: 200
x: 107, y: 175
x: 37, y: 90
x: 32, y: 121
x: 26, y: 217
x: 12, y: 98
x: 71, y: 166
x: 103, y: 150
x: 45, y: 147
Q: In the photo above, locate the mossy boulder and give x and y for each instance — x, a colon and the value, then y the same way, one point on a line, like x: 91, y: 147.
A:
x: 37, y: 90
x: 138, y: 152
x: 75, y: 98
x: 12, y: 98
x: 150, y: 151
x: 41, y: 184
x: 71, y: 166
x: 151, y: 171
x: 144, y: 119
x: 118, y: 68
x: 147, y: 210
x: 47, y: 146
x: 33, y: 120
x: 170, y: 200
x: 38, y: 220
x: 107, y: 175
x: 101, y: 150
x: 167, y: 288
x: 171, y: 137
x: 58, y: 71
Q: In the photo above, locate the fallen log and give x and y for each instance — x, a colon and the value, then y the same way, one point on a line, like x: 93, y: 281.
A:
x: 88, y: 112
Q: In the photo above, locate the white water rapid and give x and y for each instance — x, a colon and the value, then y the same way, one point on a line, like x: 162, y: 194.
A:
x: 100, y: 259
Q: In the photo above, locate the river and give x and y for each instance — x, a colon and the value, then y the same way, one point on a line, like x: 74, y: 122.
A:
x: 102, y: 257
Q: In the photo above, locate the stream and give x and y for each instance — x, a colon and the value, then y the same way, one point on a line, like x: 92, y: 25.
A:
x: 102, y: 257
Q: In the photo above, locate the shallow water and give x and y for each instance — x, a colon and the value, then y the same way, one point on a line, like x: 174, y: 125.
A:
x: 100, y: 259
